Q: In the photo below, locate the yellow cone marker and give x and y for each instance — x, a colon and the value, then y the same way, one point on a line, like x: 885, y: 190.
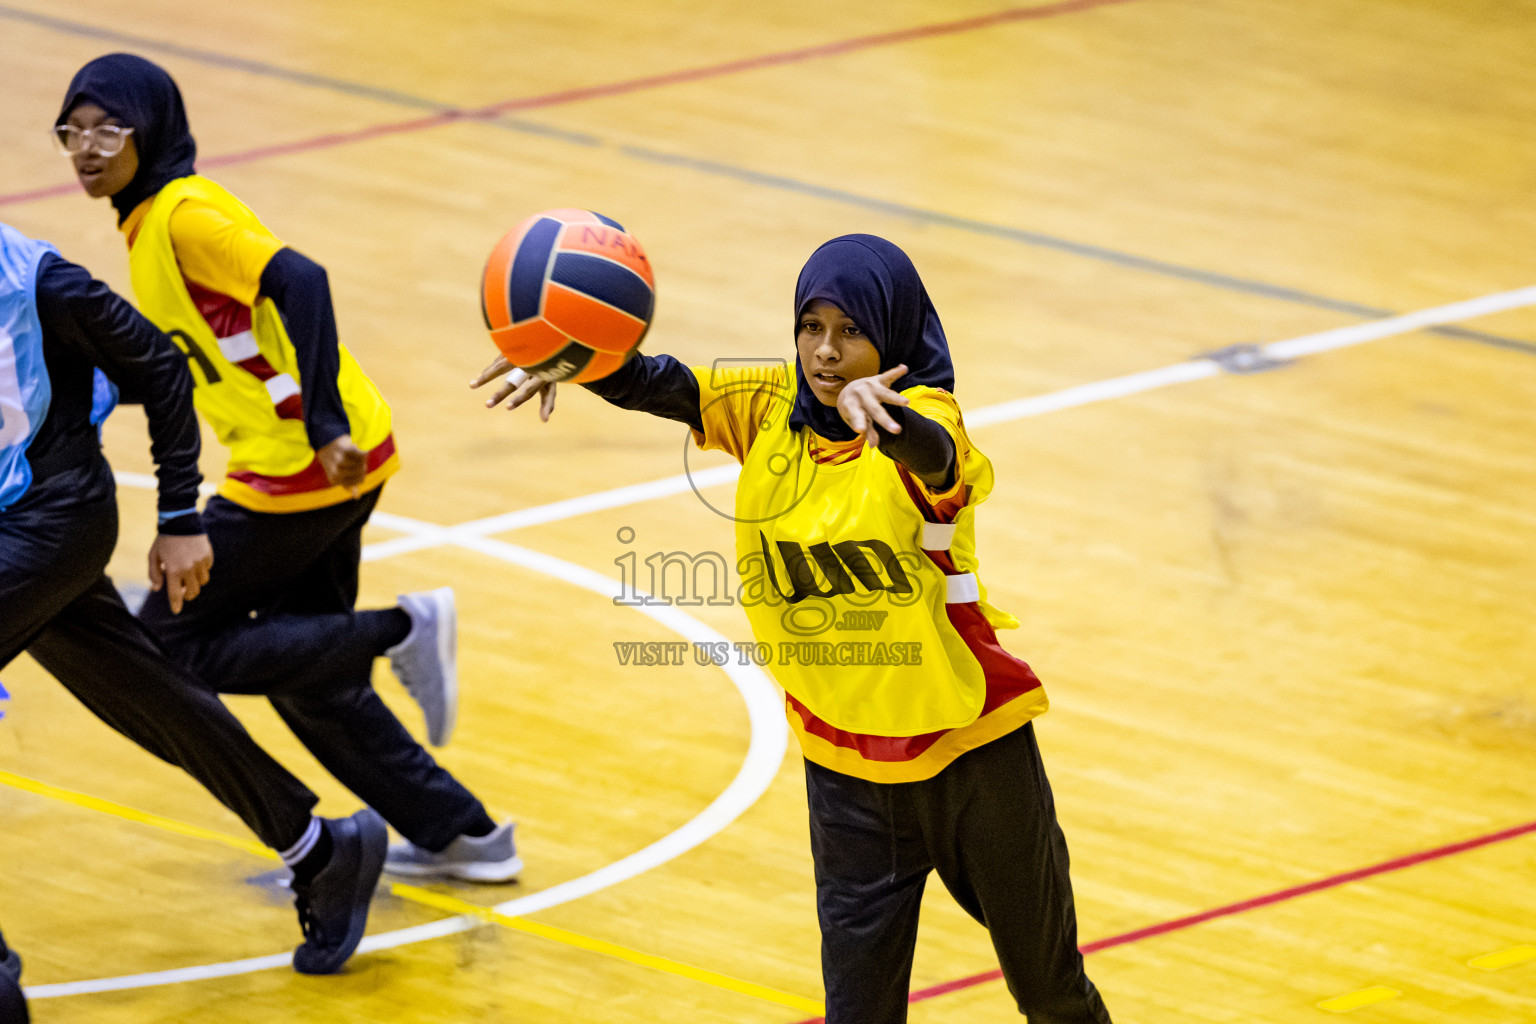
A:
x: 1503, y: 958
x: 1355, y: 1000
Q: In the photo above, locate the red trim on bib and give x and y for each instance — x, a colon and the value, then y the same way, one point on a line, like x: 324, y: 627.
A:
x: 225, y: 315
x: 312, y: 477
x: 228, y: 317
x: 1007, y: 678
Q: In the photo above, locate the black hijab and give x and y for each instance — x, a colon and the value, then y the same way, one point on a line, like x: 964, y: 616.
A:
x: 143, y: 97
x: 878, y: 287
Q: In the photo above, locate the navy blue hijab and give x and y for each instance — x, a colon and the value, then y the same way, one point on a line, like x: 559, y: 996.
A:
x: 143, y: 97
x: 878, y: 287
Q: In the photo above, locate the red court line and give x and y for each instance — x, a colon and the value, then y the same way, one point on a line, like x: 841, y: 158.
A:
x: 943, y: 28
x: 630, y: 85
x: 63, y: 189
x: 1280, y: 896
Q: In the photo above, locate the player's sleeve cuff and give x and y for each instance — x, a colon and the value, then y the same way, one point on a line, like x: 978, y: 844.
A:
x: 182, y: 523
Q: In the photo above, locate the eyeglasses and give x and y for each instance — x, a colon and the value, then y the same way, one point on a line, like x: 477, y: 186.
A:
x: 109, y: 139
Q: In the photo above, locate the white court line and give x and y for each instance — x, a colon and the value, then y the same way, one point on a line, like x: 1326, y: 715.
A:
x: 632, y: 494
x: 765, y: 752
x: 423, y: 535
x: 146, y: 482
x: 768, y: 743
x: 1098, y: 391
x: 987, y: 415
x: 1341, y: 337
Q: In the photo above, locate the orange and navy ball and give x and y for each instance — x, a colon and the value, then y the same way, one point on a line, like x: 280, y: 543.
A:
x: 568, y: 295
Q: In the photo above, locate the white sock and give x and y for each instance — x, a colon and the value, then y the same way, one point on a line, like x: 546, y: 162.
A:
x: 299, y: 850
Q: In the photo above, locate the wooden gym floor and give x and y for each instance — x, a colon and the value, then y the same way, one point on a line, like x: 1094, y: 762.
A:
x: 1284, y: 617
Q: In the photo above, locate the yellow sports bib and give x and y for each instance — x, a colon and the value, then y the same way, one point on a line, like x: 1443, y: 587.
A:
x: 834, y: 577
x: 241, y: 407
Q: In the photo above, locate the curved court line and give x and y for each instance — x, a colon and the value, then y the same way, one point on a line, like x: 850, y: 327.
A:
x: 708, y: 823
x: 765, y: 753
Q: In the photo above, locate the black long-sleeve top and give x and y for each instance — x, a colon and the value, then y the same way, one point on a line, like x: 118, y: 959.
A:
x: 85, y: 326
x: 300, y: 289
x: 662, y: 386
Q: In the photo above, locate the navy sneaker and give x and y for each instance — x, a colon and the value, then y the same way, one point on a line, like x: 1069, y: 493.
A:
x: 333, y: 909
x: 427, y: 660
x: 13, y: 1005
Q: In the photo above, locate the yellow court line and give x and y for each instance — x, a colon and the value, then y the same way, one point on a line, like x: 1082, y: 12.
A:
x: 454, y: 905
x: 425, y: 897
x: 94, y: 803
x: 1503, y: 958
x: 1354, y: 1000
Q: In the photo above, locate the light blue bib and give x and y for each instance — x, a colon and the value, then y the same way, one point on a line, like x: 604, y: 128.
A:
x: 24, y: 388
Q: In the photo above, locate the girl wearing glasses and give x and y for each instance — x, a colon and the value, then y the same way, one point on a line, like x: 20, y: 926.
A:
x: 311, y: 445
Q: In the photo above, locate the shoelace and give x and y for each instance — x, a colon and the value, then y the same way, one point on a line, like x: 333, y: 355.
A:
x: 308, y: 924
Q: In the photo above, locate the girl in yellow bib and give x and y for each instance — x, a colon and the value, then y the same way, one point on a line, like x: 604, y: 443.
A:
x: 310, y: 446
x: 856, y: 547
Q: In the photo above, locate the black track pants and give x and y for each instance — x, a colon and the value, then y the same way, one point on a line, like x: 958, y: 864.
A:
x: 987, y: 825
x: 57, y: 604
x: 312, y: 655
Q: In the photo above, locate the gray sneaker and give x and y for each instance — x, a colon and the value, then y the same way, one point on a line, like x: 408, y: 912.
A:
x: 488, y: 858
x: 427, y: 660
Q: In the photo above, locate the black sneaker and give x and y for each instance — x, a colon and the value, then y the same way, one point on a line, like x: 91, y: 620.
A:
x: 13, y: 1005
x: 333, y: 909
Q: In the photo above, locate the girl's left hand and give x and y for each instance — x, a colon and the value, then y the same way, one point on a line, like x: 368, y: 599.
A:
x: 181, y: 565
x: 517, y: 388
x: 862, y: 403
x: 344, y: 463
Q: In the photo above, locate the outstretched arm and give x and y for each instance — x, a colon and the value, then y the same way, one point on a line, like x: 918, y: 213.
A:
x: 516, y: 387
x: 659, y: 385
